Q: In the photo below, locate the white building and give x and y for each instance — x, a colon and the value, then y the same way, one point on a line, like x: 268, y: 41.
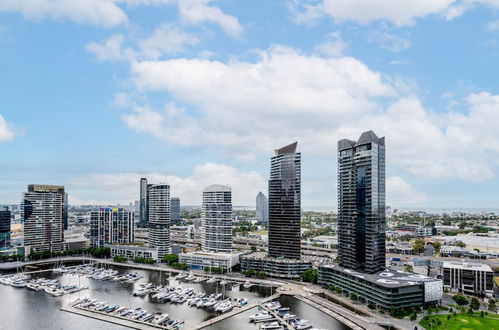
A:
x: 217, y: 219
x: 469, y: 278
x: 200, y: 260
x: 158, y: 200
x: 111, y: 226
x: 131, y: 252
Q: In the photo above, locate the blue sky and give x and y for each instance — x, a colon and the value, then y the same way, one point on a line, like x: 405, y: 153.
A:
x: 97, y: 93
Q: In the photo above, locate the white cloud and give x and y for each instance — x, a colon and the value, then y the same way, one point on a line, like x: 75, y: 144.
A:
x: 96, y: 12
x: 6, y: 130
x: 249, y: 108
x: 167, y: 39
x: 124, y: 187
x: 400, y: 12
x: 388, y: 41
x: 194, y: 12
x: 334, y: 46
x: 492, y: 26
x: 400, y: 193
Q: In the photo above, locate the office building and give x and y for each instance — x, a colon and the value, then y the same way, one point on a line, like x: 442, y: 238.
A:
x: 133, y: 251
x: 216, y: 219
x: 5, y: 218
x: 361, y: 203
x: 42, y: 209
x: 175, y: 207
x: 262, y: 208
x: 111, y: 226
x: 199, y: 260
x: 159, y: 214
x: 65, y: 213
x: 469, y: 278
x: 284, y: 219
x: 285, y: 203
x: 389, y: 288
x: 143, y: 203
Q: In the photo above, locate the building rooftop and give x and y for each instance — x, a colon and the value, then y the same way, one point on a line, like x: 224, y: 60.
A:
x: 389, y: 277
x: 216, y: 187
x: 467, y: 265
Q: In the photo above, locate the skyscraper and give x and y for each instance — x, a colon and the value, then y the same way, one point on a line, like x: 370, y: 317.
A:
x: 5, y: 217
x: 111, y: 226
x: 284, y: 203
x: 159, y: 214
x: 262, y: 208
x: 143, y: 203
x: 65, y: 213
x: 175, y: 205
x: 42, y: 209
x: 361, y: 203
x: 217, y: 219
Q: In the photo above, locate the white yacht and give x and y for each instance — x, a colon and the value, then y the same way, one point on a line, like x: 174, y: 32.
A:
x: 271, y: 326
x: 260, y: 317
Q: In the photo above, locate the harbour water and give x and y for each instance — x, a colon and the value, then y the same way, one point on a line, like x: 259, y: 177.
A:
x: 26, y: 309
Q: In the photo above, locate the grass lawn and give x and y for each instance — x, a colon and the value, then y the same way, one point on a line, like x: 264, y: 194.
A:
x: 463, y: 322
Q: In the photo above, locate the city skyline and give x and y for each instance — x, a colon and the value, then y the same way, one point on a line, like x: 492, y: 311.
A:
x: 102, y: 96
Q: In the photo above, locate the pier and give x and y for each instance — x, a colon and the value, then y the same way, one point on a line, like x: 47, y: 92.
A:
x: 234, y: 312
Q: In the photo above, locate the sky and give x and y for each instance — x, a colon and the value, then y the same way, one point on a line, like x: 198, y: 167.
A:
x: 95, y: 94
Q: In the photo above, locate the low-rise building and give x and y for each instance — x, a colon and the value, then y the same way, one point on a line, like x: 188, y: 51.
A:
x: 200, y: 259
x: 469, y: 278
x: 133, y: 251
x: 389, y: 288
x: 275, y: 267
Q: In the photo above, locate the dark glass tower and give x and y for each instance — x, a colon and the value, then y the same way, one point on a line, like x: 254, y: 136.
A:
x: 175, y: 208
x: 143, y: 203
x: 284, y: 203
x: 361, y: 203
x: 5, y: 217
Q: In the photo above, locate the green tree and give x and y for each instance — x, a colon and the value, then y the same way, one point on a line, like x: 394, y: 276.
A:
x: 463, y: 225
x: 253, y: 248
x: 461, y: 244
x: 310, y: 275
x: 492, y: 305
x: 354, y: 297
x: 170, y: 259
x: 119, y: 259
x: 418, y: 245
x: 437, y: 246
x: 475, y: 303
x: 408, y: 268
x: 460, y: 299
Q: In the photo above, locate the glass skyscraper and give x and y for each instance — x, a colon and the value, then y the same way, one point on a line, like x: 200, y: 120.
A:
x: 175, y: 207
x: 361, y: 203
x: 5, y: 217
x: 159, y: 214
x: 262, y: 208
x: 285, y: 203
x: 143, y: 218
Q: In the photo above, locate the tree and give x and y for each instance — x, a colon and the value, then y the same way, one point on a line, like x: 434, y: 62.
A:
x: 461, y: 244
x: 253, y: 248
x: 170, y: 259
x: 492, y: 305
x: 408, y: 268
x: 437, y: 246
x: 310, y: 275
x: 463, y: 225
x: 371, y: 305
x: 418, y: 245
x: 354, y: 297
x: 460, y: 299
x: 474, y: 304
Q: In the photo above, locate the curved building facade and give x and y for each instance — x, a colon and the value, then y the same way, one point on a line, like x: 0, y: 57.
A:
x: 217, y: 219
x: 158, y: 196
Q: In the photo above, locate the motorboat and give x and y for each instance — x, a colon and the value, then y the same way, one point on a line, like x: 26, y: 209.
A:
x: 190, y: 278
x: 247, y: 285
x: 271, y: 326
x: 302, y: 325
x: 212, y: 280
x: 224, y: 282
x: 147, y: 317
x: 260, y: 317
x: 18, y: 284
x: 161, y: 319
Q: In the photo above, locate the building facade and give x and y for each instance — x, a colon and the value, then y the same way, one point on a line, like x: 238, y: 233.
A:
x: 284, y: 204
x: 262, y: 208
x: 42, y: 209
x: 159, y: 214
x: 199, y: 260
x: 361, y: 203
x: 131, y: 252
x: 469, y: 278
x: 216, y: 219
x: 5, y: 218
x: 111, y: 226
x: 143, y: 218
x: 175, y: 207
x: 274, y: 267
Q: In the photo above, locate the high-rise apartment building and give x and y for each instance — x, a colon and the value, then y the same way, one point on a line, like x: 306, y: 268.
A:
x: 111, y: 226
x: 217, y: 219
x: 361, y: 203
x: 42, y: 209
x: 5, y: 217
x: 143, y: 203
x: 159, y: 214
x: 262, y: 208
x: 285, y: 203
x: 175, y: 206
